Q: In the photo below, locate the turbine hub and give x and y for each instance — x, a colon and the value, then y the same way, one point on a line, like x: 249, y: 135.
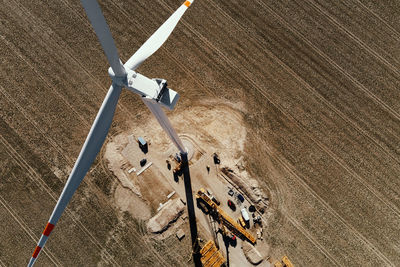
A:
x: 119, y: 80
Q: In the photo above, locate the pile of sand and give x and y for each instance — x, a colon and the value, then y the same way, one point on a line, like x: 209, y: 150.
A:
x: 251, y: 253
x: 166, y: 216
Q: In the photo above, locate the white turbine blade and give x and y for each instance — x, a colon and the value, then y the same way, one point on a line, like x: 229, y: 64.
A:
x: 90, y: 149
x: 157, y: 111
x: 102, y: 30
x: 157, y: 39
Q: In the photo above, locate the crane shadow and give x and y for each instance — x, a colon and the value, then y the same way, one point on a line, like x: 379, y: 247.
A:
x: 190, y: 207
x: 227, y: 243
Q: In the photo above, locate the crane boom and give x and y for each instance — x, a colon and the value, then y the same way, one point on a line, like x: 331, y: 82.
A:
x: 225, y: 218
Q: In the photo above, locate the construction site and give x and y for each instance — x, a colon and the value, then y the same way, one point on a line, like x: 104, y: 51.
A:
x: 288, y: 116
x: 231, y: 208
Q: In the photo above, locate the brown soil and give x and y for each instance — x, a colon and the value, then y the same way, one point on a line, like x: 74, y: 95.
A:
x: 317, y: 82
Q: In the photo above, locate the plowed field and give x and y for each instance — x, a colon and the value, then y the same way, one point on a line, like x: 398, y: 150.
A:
x: 319, y: 81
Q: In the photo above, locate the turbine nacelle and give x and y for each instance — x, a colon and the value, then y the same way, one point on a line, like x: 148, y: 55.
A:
x: 152, y: 88
x: 166, y: 96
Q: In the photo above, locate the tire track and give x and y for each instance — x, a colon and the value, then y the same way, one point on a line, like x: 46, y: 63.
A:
x: 378, y: 17
x: 35, y: 174
x: 82, y: 119
x: 42, y: 78
x: 210, y: 45
x: 333, y: 63
x: 35, y: 177
x: 50, y: 191
x: 323, y: 147
x: 355, y: 38
x: 288, y: 218
x: 58, y: 148
x: 162, y: 48
x: 89, y: 26
x: 52, y: 142
x: 66, y: 102
x: 151, y: 247
x: 376, y: 193
x: 29, y: 18
x: 28, y: 231
x: 255, y: 85
x: 291, y: 171
x: 34, y: 124
x: 335, y: 110
x: 308, y: 86
x: 316, y: 244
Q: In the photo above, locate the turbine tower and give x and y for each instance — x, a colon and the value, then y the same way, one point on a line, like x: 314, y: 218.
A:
x: 153, y: 92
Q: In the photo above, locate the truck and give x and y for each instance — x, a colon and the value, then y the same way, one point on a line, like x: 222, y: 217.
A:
x: 245, y: 215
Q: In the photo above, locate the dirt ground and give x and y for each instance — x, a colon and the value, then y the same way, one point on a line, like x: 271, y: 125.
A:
x: 206, y: 129
x: 315, y: 83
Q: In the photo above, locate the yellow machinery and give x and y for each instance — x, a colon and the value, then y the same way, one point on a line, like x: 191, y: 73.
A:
x: 286, y: 262
x: 178, y: 164
x: 210, y: 255
x: 178, y: 167
x: 225, y: 218
x: 241, y: 222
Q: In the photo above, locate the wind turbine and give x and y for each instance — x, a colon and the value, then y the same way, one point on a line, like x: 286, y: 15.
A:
x: 153, y: 92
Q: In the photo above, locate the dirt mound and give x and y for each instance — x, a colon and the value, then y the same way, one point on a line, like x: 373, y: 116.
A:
x: 167, y: 215
x: 249, y: 187
x: 252, y: 254
x: 127, y: 201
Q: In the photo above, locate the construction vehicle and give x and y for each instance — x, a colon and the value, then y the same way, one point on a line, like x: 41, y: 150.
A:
x: 286, y: 262
x: 213, y: 198
x: 245, y: 215
x: 211, y: 256
x: 216, y: 201
x: 178, y: 167
x: 223, y: 217
x: 178, y: 163
x: 241, y: 222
